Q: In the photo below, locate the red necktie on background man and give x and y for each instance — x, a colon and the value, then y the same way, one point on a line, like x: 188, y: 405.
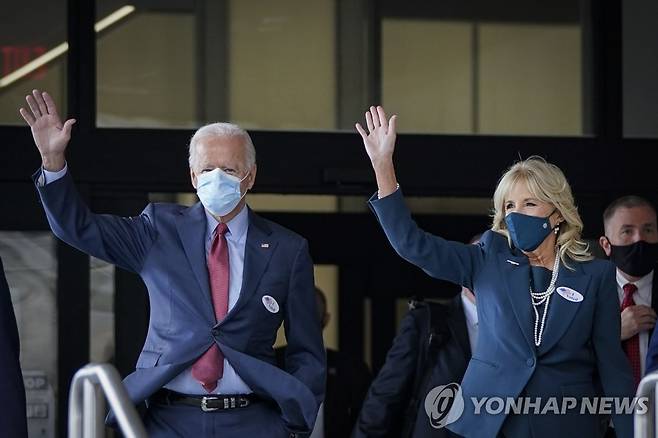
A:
x: 632, y: 344
x: 209, y: 368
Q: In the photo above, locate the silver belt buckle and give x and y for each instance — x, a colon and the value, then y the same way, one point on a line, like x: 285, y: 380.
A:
x: 204, y: 404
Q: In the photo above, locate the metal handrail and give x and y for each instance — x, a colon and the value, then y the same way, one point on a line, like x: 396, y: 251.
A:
x: 86, y: 405
x: 645, y: 424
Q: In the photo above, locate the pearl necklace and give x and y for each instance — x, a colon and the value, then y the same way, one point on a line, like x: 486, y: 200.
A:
x: 539, y: 298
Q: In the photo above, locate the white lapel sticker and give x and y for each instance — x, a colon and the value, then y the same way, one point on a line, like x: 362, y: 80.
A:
x: 270, y: 304
x: 264, y: 245
x: 569, y: 294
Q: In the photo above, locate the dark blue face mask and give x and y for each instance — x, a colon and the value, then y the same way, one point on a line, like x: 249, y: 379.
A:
x: 528, y: 232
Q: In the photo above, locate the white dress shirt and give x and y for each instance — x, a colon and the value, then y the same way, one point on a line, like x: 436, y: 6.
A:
x: 236, y: 237
x: 641, y: 296
x: 318, y: 429
x: 471, y: 315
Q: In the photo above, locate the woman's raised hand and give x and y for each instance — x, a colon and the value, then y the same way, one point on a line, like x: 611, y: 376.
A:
x: 379, y: 141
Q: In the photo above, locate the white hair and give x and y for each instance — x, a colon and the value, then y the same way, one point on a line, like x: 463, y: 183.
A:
x: 223, y: 130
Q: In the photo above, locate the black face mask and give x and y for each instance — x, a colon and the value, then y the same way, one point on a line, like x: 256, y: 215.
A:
x: 637, y: 259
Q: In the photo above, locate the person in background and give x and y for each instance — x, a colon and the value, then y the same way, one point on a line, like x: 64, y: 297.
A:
x: 432, y: 348
x: 631, y: 243
x: 13, y: 419
x: 348, y: 379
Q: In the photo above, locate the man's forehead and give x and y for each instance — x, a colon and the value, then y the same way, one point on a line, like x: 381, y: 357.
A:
x: 628, y: 216
x: 227, y: 148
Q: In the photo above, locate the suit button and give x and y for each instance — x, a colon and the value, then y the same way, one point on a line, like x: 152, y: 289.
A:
x: 215, y: 332
x: 530, y: 362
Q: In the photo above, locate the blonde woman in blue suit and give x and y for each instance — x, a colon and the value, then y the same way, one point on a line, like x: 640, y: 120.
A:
x: 548, y: 312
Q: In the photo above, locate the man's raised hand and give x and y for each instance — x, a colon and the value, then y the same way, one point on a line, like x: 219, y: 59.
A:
x: 51, y: 136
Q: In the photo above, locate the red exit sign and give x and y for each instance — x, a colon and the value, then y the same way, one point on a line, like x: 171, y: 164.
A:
x: 14, y: 57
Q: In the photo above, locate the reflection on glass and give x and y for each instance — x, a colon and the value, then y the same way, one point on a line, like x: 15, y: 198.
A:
x: 31, y: 271
x: 258, y: 63
x: 146, y: 71
x: 640, y: 68
x: 282, y: 64
x: 427, y: 74
x: 530, y: 79
x: 33, y: 51
x: 466, y: 70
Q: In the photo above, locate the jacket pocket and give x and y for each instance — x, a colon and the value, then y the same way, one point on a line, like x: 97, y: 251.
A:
x: 148, y: 359
x: 484, y: 362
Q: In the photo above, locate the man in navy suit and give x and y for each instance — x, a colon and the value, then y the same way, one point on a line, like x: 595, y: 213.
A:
x: 13, y: 421
x: 221, y: 281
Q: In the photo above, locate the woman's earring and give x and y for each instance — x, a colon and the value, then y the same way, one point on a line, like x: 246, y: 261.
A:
x: 556, y: 229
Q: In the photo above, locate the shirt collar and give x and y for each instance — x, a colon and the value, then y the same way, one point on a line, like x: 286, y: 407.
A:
x: 641, y: 284
x: 237, y: 227
x: 470, y: 311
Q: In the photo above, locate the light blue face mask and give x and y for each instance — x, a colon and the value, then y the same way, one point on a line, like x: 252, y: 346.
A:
x: 219, y: 192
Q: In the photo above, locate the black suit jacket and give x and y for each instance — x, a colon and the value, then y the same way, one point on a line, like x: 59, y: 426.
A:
x: 385, y: 411
x: 13, y: 422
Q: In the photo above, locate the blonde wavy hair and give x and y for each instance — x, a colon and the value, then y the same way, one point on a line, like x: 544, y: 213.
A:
x: 547, y: 183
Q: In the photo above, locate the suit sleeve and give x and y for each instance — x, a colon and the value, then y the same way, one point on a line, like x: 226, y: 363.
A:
x: 386, y: 401
x: 123, y: 241
x: 613, y: 366
x: 13, y: 416
x: 447, y: 260
x: 305, y: 356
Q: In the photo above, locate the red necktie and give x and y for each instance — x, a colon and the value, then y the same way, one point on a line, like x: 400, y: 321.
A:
x: 632, y: 344
x: 209, y: 368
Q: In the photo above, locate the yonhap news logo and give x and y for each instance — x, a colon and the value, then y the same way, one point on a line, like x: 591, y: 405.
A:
x: 444, y: 405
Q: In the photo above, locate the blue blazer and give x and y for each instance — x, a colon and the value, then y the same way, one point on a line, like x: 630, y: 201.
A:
x: 165, y: 246
x: 13, y: 420
x: 580, y: 341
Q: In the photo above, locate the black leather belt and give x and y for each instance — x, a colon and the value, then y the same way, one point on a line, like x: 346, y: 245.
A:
x: 207, y: 403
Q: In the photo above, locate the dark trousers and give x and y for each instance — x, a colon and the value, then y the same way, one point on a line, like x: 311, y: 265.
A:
x: 610, y: 433
x: 259, y: 420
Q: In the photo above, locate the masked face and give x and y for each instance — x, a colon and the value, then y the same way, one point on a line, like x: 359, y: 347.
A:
x: 636, y: 259
x: 219, y: 192
x: 219, y: 174
x: 631, y: 240
x: 528, y: 232
x: 529, y: 220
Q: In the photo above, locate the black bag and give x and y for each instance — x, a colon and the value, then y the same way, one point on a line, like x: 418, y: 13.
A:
x: 431, y: 319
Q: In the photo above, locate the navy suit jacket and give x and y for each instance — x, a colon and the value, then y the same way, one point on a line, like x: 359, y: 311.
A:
x: 165, y: 246
x: 13, y: 421
x: 580, y: 338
